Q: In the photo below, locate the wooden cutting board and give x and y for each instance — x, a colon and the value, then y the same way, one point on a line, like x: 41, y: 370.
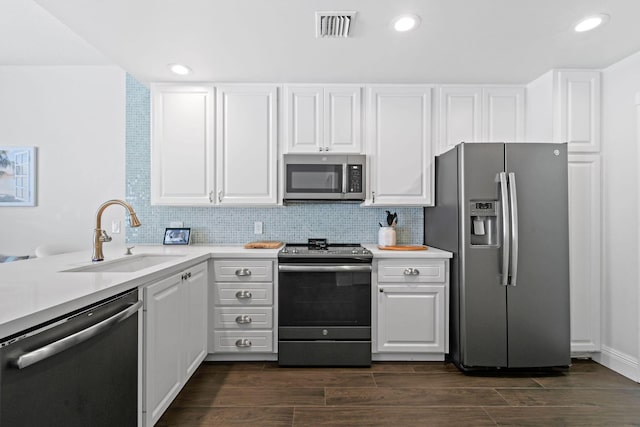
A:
x: 264, y: 244
x: 403, y: 248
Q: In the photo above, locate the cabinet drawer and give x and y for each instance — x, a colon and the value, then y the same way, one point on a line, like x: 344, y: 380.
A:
x: 411, y: 271
x: 243, y: 318
x: 243, y: 294
x: 243, y: 271
x: 242, y: 342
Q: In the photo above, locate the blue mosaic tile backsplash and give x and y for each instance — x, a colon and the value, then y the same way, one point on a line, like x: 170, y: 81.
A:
x: 339, y: 223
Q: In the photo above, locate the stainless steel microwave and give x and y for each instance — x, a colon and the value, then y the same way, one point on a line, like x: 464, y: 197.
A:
x: 339, y: 177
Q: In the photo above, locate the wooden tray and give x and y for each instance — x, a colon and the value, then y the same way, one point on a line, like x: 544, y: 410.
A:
x: 264, y: 244
x: 403, y: 248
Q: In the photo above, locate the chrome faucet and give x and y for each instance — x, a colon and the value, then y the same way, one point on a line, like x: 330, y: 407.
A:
x: 100, y: 235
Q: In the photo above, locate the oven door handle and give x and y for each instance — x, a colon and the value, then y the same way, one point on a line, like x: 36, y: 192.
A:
x: 311, y: 268
x: 65, y: 343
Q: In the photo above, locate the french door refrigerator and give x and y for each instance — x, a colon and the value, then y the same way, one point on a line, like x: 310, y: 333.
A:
x: 502, y: 209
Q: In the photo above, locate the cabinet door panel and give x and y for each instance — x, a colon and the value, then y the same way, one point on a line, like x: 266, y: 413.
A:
x: 342, y: 119
x: 195, y: 317
x: 400, y: 133
x: 411, y: 318
x: 579, y: 110
x: 246, y: 145
x: 304, y: 119
x: 182, y: 154
x: 584, y: 251
x: 162, y: 346
x: 503, y: 114
x: 460, y: 116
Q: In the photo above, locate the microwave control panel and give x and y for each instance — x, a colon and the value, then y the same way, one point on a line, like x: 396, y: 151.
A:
x: 355, y: 178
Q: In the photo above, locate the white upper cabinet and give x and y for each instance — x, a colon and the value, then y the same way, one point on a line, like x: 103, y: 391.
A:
x: 182, y: 144
x: 193, y: 165
x: 460, y: 117
x: 399, y: 145
x: 246, y: 123
x: 578, y: 110
x: 480, y: 114
x: 503, y: 114
x: 323, y: 118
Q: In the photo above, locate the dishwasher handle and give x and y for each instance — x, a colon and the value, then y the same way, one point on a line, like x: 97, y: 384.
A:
x: 65, y: 343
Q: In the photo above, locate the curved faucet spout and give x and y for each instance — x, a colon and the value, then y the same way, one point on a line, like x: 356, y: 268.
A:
x: 100, y: 236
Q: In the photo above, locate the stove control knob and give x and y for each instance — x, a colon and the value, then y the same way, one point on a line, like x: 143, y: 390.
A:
x: 294, y: 250
x: 285, y: 251
x: 365, y: 252
x: 354, y: 251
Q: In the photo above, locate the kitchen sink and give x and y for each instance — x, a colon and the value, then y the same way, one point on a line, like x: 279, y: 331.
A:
x: 129, y: 264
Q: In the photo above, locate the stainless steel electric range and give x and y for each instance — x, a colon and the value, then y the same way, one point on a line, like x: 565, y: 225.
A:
x: 324, y: 304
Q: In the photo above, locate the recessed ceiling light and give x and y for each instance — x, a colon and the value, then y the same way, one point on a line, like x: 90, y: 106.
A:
x: 591, y: 22
x: 404, y: 23
x: 179, y: 69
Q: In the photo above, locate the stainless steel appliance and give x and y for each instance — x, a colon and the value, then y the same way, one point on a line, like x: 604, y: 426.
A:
x: 336, y: 177
x: 324, y: 305
x: 502, y: 210
x: 80, y: 370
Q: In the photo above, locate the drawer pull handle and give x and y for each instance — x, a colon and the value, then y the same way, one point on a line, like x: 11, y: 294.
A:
x: 243, y: 295
x: 243, y: 320
x: 243, y: 343
x: 243, y: 272
x: 411, y: 271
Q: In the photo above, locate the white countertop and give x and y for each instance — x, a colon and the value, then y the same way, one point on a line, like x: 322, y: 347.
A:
x: 38, y: 290
x: 431, y: 252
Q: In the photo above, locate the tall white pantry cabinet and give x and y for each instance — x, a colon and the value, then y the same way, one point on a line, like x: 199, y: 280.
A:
x: 564, y: 106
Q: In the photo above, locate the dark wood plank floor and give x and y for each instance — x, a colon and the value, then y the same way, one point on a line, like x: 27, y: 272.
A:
x: 402, y: 394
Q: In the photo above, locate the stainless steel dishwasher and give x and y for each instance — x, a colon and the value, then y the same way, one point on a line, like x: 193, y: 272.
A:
x: 78, y: 370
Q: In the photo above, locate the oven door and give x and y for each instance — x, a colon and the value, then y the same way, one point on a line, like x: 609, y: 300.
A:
x: 324, y: 295
x: 324, y: 315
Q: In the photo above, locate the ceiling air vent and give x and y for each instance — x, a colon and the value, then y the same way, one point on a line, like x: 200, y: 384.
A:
x: 334, y: 24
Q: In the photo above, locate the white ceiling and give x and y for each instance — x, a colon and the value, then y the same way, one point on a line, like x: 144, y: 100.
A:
x: 459, y: 41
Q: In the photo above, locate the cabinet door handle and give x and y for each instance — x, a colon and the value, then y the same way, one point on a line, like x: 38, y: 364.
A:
x: 373, y: 197
x: 411, y: 271
x: 243, y: 295
x: 243, y: 343
x: 243, y: 320
x: 243, y: 272
x: 381, y: 290
x: 220, y: 196
x: 211, y: 196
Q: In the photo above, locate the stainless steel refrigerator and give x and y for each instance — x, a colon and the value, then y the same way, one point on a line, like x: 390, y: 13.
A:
x: 502, y: 209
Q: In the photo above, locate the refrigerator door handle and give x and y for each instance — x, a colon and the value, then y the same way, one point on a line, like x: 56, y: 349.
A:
x: 513, y: 199
x: 504, y: 197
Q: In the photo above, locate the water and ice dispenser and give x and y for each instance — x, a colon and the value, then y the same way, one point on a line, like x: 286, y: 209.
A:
x: 483, y: 218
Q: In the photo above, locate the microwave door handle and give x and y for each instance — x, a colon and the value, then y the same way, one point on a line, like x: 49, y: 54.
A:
x: 344, y: 178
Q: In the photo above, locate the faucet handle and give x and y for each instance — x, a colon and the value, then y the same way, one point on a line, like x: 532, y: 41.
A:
x: 105, y: 237
x: 129, y: 250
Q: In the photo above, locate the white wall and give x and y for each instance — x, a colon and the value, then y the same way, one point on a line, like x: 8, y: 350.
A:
x: 75, y: 116
x: 620, y: 329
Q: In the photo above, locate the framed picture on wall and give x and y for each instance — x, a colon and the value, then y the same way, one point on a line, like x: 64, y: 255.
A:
x: 177, y: 236
x: 17, y: 176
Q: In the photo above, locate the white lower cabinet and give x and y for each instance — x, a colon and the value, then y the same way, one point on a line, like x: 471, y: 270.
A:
x: 411, y: 314
x: 241, y: 307
x: 174, y: 330
x: 584, y: 251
